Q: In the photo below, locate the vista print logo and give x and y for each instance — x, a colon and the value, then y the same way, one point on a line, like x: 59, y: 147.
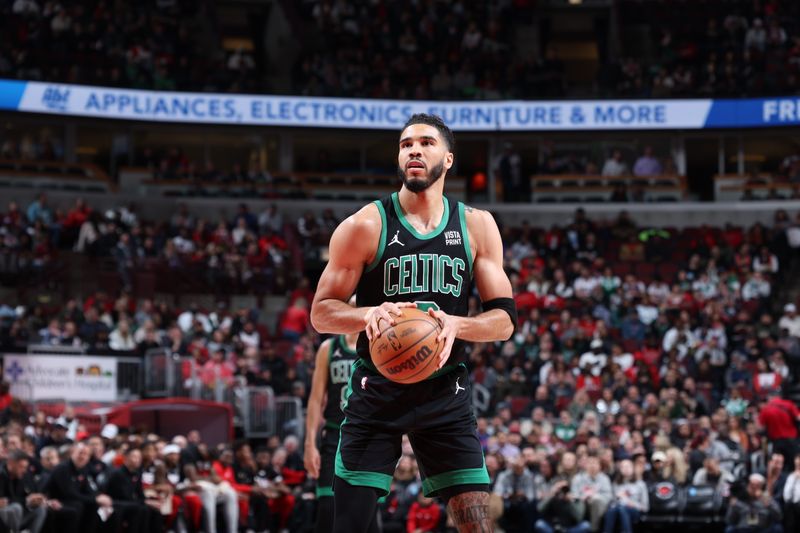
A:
x: 55, y: 99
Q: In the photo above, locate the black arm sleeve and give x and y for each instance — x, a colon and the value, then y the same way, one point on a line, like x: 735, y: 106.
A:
x: 506, y: 304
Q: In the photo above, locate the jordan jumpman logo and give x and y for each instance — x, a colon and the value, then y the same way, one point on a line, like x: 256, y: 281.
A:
x: 459, y: 387
x: 395, y: 239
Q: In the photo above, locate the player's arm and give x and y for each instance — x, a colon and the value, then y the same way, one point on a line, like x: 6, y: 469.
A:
x: 353, y: 245
x: 319, y: 386
x: 494, y: 288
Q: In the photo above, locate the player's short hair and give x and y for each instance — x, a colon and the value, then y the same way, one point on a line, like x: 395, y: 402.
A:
x: 437, y: 122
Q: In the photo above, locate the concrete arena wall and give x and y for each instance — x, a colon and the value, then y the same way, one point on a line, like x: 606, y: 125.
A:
x: 542, y: 215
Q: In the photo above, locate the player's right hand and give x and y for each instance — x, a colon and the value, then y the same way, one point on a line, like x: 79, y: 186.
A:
x: 311, y: 461
x: 385, y: 311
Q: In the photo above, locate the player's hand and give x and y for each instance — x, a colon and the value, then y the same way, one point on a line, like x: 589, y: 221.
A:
x: 450, y: 328
x: 311, y: 461
x: 386, y: 311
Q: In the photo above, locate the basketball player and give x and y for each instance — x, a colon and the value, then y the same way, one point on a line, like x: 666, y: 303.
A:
x: 415, y: 247
x: 335, y: 359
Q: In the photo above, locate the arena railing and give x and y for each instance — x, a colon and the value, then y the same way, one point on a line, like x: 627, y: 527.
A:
x: 130, y: 376
x: 256, y: 410
x: 49, y: 349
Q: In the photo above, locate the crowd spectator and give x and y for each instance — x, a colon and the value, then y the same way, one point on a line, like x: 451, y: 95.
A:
x: 756, y: 511
x: 647, y: 165
x: 614, y: 165
x: 140, y: 46
x: 461, y: 45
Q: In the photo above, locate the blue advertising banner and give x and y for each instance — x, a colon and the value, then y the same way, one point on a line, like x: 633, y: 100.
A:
x: 299, y: 111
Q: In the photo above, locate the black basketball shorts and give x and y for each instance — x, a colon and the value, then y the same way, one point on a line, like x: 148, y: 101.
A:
x: 435, y: 413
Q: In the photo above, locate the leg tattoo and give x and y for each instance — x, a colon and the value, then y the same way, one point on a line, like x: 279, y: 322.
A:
x: 470, y: 512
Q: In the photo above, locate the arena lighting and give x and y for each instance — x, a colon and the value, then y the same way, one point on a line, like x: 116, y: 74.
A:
x: 575, y: 2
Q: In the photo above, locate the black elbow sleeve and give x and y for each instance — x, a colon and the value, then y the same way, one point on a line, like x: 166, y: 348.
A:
x: 507, y: 305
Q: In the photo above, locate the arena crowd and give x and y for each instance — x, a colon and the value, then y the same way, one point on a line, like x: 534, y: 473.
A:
x: 748, y: 48
x: 642, y: 356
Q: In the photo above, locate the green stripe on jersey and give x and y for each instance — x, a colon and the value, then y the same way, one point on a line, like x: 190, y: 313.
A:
x: 382, y: 242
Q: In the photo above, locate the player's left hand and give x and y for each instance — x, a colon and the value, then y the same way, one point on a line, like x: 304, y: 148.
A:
x: 449, y: 325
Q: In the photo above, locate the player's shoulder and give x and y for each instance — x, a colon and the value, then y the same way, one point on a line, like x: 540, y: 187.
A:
x: 479, y: 221
x: 365, y: 221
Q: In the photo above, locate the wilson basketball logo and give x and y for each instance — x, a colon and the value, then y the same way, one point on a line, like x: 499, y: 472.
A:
x: 406, y: 352
x: 411, y: 363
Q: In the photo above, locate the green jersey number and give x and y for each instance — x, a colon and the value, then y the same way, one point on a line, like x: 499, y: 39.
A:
x: 425, y: 305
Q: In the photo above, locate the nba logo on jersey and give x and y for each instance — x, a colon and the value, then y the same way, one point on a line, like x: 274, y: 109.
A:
x: 452, y: 238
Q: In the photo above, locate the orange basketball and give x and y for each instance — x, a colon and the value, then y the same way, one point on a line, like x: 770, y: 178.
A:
x: 408, y: 351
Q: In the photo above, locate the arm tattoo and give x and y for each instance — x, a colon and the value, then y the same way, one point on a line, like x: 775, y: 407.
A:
x: 470, y: 512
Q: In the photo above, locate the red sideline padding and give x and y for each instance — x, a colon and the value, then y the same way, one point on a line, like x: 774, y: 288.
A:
x: 165, y: 416
x: 177, y: 416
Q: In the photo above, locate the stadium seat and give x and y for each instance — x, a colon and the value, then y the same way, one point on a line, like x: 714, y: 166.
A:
x: 665, y: 503
x: 702, y: 503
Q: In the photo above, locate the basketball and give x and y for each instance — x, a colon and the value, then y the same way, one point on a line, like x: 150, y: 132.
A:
x: 408, y: 351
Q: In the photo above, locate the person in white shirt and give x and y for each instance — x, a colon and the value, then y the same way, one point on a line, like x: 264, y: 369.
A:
x: 658, y: 290
x: 766, y: 262
x: 791, y: 497
x: 561, y: 286
x: 646, y: 311
x: 615, y: 166
x: 756, y: 287
x: 595, y: 359
x: 121, y: 338
x: 680, y: 337
x: 585, y: 284
x: 630, y: 499
x: 790, y: 320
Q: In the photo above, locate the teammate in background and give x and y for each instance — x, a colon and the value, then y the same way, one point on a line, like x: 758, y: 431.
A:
x: 416, y: 247
x: 335, y: 359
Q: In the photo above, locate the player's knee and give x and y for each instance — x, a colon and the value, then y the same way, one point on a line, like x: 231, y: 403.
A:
x: 476, y: 494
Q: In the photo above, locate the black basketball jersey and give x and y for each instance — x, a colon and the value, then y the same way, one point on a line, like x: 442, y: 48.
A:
x: 340, y: 361
x: 433, y: 270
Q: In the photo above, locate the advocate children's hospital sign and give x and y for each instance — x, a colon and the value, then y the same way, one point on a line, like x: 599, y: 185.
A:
x: 71, y: 378
x: 298, y: 111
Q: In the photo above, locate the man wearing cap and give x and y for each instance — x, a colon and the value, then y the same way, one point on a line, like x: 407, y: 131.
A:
x: 656, y: 474
x: 58, y: 434
x: 174, y: 475
x: 779, y: 419
x: 790, y: 320
x: 756, y: 512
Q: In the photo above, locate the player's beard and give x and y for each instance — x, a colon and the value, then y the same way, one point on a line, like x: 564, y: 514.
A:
x: 417, y: 185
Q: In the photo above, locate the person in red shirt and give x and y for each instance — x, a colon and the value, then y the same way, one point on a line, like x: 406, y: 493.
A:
x: 295, y: 321
x: 779, y: 419
x: 424, y: 515
x: 224, y: 469
x: 217, y: 368
x: 5, y: 395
